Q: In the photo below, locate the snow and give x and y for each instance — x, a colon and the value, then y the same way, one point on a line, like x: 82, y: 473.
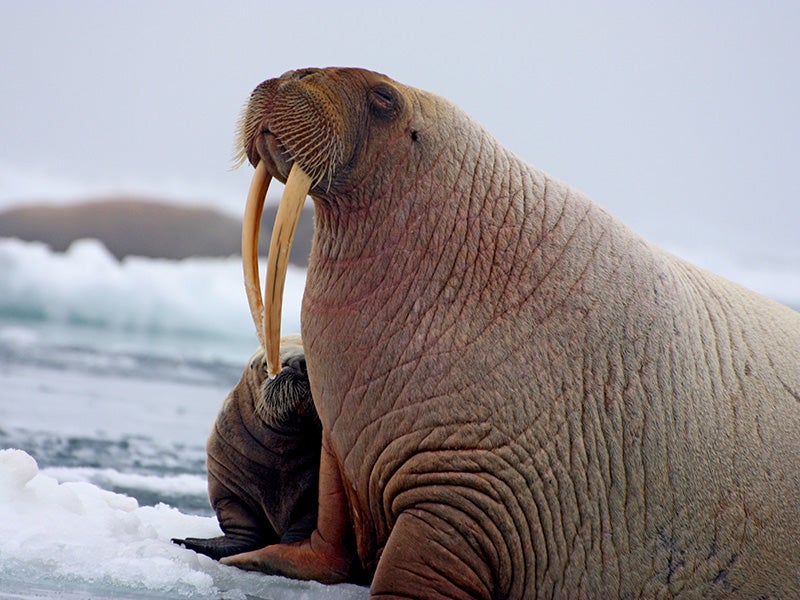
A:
x: 76, y: 535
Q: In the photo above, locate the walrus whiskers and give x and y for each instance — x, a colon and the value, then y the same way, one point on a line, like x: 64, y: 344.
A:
x: 318, y: 147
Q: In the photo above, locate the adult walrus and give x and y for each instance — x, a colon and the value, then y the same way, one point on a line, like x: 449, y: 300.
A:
x: 263, y: 458
x: 519, y: 396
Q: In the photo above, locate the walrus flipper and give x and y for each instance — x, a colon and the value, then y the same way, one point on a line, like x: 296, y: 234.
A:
x: 230, y: 544
x: 220, y: 546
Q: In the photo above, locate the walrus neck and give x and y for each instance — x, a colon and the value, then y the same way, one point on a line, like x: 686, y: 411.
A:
x: 436, y: 266
x: 451, y: 228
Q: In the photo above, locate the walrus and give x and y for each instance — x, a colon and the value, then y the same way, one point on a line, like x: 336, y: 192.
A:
x: 263, y: 458
x: 520, y: 397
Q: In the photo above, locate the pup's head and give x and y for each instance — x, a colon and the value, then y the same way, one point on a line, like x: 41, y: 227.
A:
x: 284, y: 402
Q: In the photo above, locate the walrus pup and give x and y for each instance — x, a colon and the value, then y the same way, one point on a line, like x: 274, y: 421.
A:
x: 263, y: 458
x: 519, y: 396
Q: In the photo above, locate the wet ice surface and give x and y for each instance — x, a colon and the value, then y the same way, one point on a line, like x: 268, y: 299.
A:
x: 77, y: 538
x: 95, y: 518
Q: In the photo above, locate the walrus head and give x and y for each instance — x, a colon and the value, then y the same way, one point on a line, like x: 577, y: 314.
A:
x: 284, y: 402
x: 293, y: 130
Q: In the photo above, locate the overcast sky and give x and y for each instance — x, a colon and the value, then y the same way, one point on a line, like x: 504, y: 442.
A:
x: 679, y: 117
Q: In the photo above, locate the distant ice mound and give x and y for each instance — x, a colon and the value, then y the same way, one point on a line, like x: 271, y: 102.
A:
x: 136, y: 226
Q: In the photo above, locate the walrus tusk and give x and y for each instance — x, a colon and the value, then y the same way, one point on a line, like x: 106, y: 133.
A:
x: 251, y: 224
x: 297, y: 185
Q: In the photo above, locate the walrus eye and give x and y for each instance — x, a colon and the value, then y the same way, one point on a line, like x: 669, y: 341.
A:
x: 384, y: 101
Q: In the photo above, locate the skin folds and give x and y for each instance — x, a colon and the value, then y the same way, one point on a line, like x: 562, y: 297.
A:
x: 519, y: 396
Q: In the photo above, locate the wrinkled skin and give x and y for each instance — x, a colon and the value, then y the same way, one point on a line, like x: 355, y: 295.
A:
x: 519, y: 396
x: 263, y: 459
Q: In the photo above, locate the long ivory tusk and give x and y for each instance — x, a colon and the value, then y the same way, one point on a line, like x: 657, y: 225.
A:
x: 251, y: 224
x: 297, y: 185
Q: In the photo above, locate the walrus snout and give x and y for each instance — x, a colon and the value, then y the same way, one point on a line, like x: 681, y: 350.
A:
x: 285, y: 401
x: 296, y: 364
x: 292, y: 119
x: 301, y: 128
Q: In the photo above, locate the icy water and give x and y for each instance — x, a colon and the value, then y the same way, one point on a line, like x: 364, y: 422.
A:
x: 110, y: 378
x: 111, y: 375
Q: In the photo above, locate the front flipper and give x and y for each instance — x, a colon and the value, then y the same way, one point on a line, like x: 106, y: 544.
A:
x: 219, y: 547
x: 311, y: 559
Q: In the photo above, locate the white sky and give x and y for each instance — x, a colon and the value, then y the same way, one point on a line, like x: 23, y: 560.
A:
x: 680, y: 117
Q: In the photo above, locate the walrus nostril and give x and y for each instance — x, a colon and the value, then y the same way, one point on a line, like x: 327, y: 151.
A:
x: 303, y: 74
x: 297, y: 74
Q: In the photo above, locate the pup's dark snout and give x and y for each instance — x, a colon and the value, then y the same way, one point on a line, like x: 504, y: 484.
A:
x: 297, y: 364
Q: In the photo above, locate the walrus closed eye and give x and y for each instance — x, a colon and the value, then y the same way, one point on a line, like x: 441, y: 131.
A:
x: 263, y: 459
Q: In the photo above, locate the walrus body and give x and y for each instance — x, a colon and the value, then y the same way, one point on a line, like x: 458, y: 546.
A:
x: 263, y: 459
x: 519, y: 396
